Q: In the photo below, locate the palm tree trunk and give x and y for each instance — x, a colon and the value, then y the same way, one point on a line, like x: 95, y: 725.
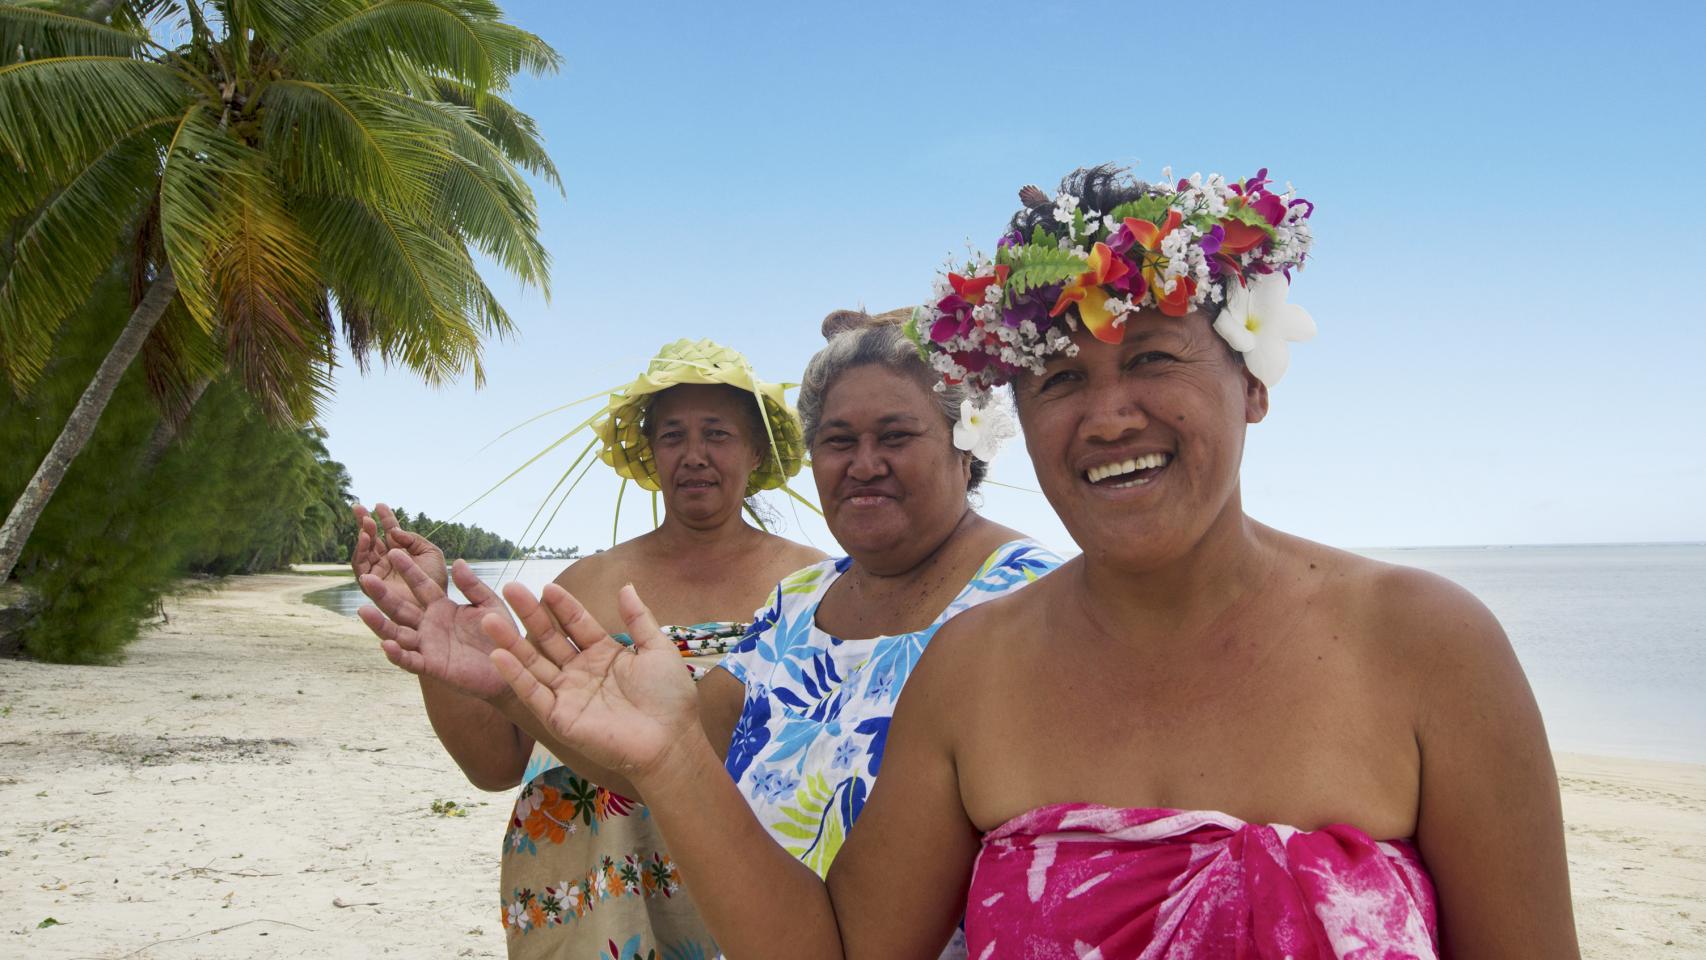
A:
x: 80, y: 426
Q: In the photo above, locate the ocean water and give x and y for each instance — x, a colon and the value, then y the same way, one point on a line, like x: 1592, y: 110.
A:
x: 1613, y: 638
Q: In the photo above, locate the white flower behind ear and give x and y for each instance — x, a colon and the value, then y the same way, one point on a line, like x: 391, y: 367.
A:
x: 982, y: 430
x: 1258, y: 323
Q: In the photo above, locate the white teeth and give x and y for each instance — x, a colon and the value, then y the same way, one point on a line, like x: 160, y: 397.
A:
x: 1148, y: 461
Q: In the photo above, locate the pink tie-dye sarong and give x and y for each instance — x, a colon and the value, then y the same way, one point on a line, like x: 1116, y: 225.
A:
x: 1083, y: 882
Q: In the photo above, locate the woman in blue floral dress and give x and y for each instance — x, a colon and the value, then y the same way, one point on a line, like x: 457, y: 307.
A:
x: 809, y: 741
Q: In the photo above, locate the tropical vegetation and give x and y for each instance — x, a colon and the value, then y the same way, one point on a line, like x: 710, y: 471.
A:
x: 272, y: 177
x: 239, y: 193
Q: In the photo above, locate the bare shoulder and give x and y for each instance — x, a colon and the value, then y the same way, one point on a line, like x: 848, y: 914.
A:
x: 993, y: 536
x: 598, y: 570
x: 951, y: 671
x: 1423, y: 623
x: 992, y: 633
x: 786, y: 556
x: 973, y: 667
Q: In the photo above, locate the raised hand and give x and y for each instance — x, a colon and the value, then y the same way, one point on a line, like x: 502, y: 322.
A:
x: 626, y: 708
x: 428, y: 634
x: 371, y: 555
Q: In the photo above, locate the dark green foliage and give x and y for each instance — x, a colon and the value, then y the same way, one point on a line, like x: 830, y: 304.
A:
x: 235, y: 495
x: 460, y: 540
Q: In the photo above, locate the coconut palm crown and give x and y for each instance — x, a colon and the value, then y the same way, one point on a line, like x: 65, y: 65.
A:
x: 270, y: 173
x: 288, y: 165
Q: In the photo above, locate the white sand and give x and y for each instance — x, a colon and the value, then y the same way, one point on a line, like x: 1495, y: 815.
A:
x: 256, y: 781
x: 255, y: 763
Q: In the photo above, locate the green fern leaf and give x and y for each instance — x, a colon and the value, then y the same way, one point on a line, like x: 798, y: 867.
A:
x: 1040, y: 265
x: 1152, y: 207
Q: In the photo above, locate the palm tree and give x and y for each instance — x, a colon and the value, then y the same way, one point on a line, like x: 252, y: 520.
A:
x: 270, y: 173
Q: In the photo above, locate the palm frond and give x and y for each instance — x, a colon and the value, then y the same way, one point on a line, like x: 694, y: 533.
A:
x: 486, y: 310
x: 496, y: 213
x: 511, y: 49
x: 407, y: 280
x: 355, y: 319
x: 277, y: 21
x: 513, y: 132
x: 99, y: 100
x: 481, y: 195
x: 38, y: 33
x: 334, y: 140
x: 203, y: 166
x: 138, y: 16
x: 65, y: 245
x: 268, y: 295
x: 178, y: 354
x: 431, y: 34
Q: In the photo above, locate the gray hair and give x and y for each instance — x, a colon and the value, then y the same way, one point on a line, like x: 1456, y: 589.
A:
x: 857, y: 339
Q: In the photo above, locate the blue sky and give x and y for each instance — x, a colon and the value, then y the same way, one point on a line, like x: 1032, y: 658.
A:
x: 1507, y: 211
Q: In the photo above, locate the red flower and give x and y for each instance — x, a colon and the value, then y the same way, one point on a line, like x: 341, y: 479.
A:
x: 972, y: 289
x: 1241, y: 237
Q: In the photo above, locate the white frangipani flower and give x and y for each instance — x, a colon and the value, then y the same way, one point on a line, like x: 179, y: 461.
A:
x: 1258, y: 323
x: 982, y: 430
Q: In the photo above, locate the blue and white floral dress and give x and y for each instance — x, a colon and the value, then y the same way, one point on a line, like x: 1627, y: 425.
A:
x: 810, y: 737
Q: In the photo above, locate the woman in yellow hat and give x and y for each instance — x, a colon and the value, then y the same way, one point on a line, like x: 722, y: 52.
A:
x: 584, y: 870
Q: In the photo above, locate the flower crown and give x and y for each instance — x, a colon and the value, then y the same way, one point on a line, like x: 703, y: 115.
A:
x: 1172, y: 248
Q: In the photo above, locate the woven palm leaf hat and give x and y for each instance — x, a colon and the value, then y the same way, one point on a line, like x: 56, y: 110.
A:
x: 625, y: 447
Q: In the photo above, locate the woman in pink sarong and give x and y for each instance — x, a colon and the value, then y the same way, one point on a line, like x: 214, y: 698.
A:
x: 1201, y: 737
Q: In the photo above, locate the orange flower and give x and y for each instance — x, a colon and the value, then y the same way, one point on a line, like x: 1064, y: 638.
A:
x: 550, y: 818
x: 1149, y: 236
x: 1177, y: 303
x: 1088, y: 293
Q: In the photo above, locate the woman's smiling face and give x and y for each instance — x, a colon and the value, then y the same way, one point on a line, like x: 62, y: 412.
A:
x: 888, y: 476
x: 703, y: 439
x: 1137, y: 445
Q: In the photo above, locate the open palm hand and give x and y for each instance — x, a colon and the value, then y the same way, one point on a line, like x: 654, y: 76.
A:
x: 423, y: 631
x: 626, y: 708
x: 371, y: 556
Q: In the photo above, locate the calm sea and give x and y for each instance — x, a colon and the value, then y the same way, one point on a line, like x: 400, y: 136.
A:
x: 1613, y: 637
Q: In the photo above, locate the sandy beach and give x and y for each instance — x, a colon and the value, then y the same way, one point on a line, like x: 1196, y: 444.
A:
x: 256, y: 781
